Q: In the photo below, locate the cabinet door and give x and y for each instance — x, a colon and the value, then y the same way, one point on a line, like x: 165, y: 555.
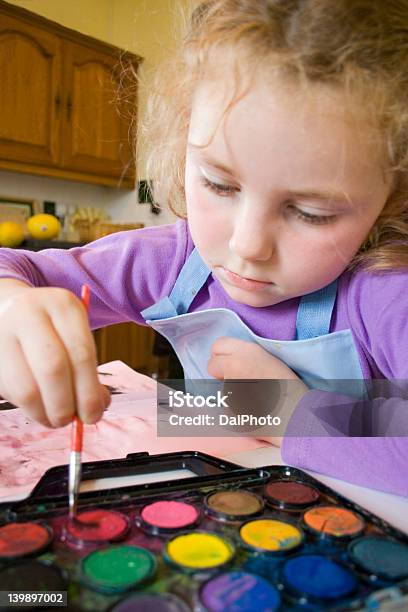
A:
x: 30, y: 93
x: 132, y: 344
x: 96, y: 135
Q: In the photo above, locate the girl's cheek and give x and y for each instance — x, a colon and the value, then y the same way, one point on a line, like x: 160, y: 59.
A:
x: 345, y: 243
x: 208, y: 221
x: 204, y: 204
x: 195, y: 197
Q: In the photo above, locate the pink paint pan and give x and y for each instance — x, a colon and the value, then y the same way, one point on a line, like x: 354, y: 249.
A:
x: 165, y: 517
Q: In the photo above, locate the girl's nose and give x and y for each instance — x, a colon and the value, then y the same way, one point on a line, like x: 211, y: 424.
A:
x: 252, y: 238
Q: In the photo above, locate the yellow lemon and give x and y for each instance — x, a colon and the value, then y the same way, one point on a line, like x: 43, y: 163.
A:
x: 43, y: 227
x: 11, y: 234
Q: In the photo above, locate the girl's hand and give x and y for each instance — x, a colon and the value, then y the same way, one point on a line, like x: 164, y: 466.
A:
x: 238, y: 359
x: 48, y: 358
x: 233, y: 359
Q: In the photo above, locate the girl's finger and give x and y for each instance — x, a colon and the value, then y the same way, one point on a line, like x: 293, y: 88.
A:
x: 73, y: 328
x: 216, y: 367
x: 17, y: 383
x: 48, y: 360
x: 106, y: 396
x: 227, y: 346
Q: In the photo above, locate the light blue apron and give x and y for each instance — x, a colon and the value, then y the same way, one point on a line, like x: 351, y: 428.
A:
x: 323, y: 360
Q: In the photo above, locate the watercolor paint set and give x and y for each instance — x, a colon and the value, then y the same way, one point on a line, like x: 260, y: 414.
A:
x: 187, y: 531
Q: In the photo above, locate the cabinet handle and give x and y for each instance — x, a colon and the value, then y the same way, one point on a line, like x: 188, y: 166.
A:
x: 69, y: 108
x: 57, y: 104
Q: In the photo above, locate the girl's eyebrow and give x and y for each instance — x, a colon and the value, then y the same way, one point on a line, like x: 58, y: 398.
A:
x: 326, y: 196
x: 207, y: 158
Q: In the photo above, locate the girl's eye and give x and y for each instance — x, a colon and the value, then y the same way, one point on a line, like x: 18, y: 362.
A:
x: 221, y: 190
x: 228, y: 190
x: 309, y: 218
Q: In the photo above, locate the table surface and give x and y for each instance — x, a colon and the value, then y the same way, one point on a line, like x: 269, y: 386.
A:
x: 391, y: 508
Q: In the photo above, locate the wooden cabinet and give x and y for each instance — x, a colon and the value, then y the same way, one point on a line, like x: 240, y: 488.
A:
x: 62, y: 109
x: 95, y: 134
x: 132, y: 344
x: 30, y: 93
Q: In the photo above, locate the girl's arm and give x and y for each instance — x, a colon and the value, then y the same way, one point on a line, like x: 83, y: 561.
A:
x: 365, y: 443
x: 323, y: 436
x: 125, y: 271
x: 101, y: 265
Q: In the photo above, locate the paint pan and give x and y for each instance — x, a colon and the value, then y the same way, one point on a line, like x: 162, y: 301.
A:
x: 23, y: 539
x: 166, y: 517
x: 97, y: 526
x: 233, y: 505
x: 239, y: 591
x: 117, y: 568
x: 290, y: 495
x: 151, y: 602
x: 270, y: 535
x: 32, y: 575
x: 333, y: 522
x: 316, y: 579
x: 199, y: 551
x: 380, y: 558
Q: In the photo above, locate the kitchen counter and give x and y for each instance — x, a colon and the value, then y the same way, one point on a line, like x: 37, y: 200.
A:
x: 31, y: 244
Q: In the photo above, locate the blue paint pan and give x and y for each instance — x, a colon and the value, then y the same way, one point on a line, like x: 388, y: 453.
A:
x: 317, y: 579
x: 381, y: 558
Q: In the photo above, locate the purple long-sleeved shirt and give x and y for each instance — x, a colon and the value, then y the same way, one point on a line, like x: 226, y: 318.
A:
x: 129, y: 271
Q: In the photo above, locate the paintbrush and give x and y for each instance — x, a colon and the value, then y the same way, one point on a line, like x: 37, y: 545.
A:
x: 74, y: 478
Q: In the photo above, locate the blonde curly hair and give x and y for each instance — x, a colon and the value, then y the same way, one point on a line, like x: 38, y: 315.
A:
x: 357, y: 46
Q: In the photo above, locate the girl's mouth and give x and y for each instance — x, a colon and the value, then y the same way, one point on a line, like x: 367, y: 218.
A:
x: 241, y: 282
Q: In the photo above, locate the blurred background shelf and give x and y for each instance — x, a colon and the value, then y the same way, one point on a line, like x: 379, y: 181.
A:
x: 31, y: 244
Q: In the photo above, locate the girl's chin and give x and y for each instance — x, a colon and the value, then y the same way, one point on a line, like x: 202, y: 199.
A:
x: 256, y: 300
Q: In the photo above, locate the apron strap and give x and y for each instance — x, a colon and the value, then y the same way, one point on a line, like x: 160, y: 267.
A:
x: 315, y: 311
x: 313, y: 316
x: 191, y: 278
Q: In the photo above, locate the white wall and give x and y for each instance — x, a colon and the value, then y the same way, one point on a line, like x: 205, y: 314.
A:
x: 121, y: 205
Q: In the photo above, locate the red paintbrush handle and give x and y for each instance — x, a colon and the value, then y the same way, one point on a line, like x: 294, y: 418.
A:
x: 85, y: 295
x: 77, y: 425
x: 76, y: 437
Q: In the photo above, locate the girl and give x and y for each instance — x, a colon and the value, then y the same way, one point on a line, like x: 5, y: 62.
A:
x: 279, y: 136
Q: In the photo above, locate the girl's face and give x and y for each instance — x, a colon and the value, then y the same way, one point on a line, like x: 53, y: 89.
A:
x: 281, y: 193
